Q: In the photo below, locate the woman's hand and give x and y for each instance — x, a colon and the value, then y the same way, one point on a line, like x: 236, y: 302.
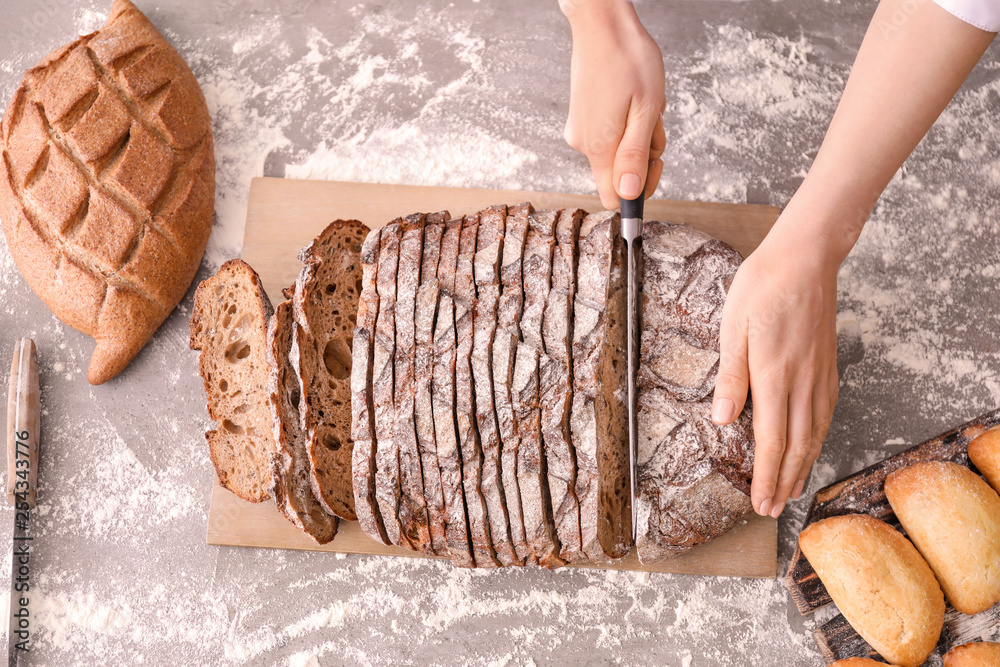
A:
x: 779, y: 339
x: 616, y: 98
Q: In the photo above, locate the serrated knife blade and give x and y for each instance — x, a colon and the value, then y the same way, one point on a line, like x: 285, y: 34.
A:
x: 631, y: 212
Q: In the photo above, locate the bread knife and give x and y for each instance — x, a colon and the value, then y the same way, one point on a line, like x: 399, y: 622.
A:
x: 23, y: 423
x: 631, y: 211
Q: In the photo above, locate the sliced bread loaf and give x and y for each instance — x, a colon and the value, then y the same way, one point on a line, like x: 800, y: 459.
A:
x: 325, y: 306
x: 293, y: 491
x: 600, y: 389
x: 229, y: 327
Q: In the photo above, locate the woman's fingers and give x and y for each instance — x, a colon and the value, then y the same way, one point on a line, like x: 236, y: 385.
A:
x: 770, y: 430
x: 633, y: 155
x: 733, y: 379
x: 799, y: 443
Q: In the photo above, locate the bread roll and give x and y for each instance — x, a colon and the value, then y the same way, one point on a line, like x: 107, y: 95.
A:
x: 984, y: 451
x: 976, y: 654
x: 953, y: 518
x: 880, y: 583
x: 859, y: 662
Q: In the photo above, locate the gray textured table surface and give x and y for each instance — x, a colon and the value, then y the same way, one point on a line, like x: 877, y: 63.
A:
x: 475, y: 93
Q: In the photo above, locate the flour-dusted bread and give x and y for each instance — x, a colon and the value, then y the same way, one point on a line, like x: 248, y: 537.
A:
x: 293, y: 493
x: 108, y: 184
x: 600, y: 390
x: 984, y: 452
x: 465, y: 398
x: 325, y: 305
x: 425, y: 313
x: 449, y: 455
x: 489, y: 254
x: 412, y: 517
x: 229, y: 327
x: 693, y: 475
x: 382, y: 389
x: 975, y: 654
x: 526, y: 392
x: 556, y: 385
x: 880, y: 583
x: 362, y: 409
x: 505, y: 344
x: 858, y: 662
x: 953, y: 518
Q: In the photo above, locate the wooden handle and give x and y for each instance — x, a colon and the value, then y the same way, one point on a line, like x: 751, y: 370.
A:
x: 23, y: 425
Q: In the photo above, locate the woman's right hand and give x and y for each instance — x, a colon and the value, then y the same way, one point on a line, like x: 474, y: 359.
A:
x: 616, y: 98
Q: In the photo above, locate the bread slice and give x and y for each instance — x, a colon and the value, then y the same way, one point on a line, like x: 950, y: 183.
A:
x: 880, y: 584
x: 489, y: 253
x: 953, y: 518
x: 984, y: 452
x: 504, y: 357
x: 229, y: 327
x: 532, y: 478
x: 412, y: 515
x: 449, y: 458
x: 362, y: 409
x: 600, y: 389
x: 465, y: 400
x: 325, y: 307
x: 425, y: 313
x: 556, y: 385
x: 383, y: 375
x: 293, y: 492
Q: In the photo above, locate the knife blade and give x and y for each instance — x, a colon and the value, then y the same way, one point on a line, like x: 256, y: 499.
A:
x: 631, y: 212
x: 23, y: 425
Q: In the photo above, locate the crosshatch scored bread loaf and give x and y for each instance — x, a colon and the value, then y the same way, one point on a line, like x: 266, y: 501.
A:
x: 953, y: 518
x: 880, y: 583
x: 325, y: 305
x: 229, y: 327
x: 107, y: 184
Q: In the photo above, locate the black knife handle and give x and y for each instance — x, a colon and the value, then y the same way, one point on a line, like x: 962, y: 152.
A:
x: 632, y: 208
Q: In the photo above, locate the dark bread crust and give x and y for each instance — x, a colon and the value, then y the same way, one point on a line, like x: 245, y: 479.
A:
x: 489, y: 253
x: 293, y: 492
x: 556, y: 385
x: 107, y: 184
x: 362, y: 411
x: 504, y: 357
x: 449, y: 455
x: 325, y: 307
x: 383, y: 374
x: 425, y: 314
x: 465, y: 399
x: 532, y: 477
x: 693, y: 475
x: 229, y: 327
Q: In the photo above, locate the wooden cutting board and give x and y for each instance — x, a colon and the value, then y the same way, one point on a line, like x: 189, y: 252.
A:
x: 864, y: 493
x: 284, y: 215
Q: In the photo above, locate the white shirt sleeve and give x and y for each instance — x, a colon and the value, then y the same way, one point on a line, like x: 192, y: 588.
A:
x: 984, y: 14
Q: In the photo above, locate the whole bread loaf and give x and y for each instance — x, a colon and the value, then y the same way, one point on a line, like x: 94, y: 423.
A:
x: 880, y: 583
x: 693, y: 475
x: 975, y: 654
x: 984, y: 452
x: 953, y: 518
x: 107, y: 185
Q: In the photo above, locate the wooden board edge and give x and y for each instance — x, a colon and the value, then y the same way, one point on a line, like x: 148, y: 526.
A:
x: 262, y: 526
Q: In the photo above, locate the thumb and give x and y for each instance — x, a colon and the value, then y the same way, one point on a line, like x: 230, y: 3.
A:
x: 733, y: 380
x: 632, y: 157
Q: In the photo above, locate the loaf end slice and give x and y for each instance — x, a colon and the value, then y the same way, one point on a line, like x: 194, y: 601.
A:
x: 325, y: 305
x: 292, y: 471
x: 229, y: 327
